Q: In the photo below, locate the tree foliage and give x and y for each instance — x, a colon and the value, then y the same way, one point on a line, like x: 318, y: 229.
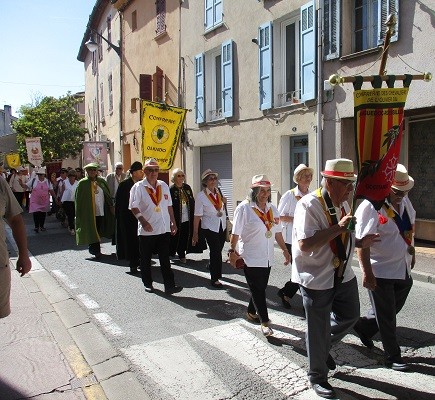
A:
x: 56, y: 122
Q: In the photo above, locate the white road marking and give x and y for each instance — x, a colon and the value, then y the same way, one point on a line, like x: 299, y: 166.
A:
x: 108, y: 325
x: 88, y: 302
x: 65, y: 279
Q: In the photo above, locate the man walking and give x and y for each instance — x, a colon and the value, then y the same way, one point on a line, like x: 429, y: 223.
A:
x: 151, y: 204
x: 322, y: 247
x: 115, y: 178
x: 387, y: 265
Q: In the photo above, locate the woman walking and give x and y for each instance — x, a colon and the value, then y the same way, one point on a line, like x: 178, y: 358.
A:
x: 68, y: 197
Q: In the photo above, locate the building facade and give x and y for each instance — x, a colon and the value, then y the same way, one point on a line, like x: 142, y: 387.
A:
x: 356, y: 31
x: 8, y: 138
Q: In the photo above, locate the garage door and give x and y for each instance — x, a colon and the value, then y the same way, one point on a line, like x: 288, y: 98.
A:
x: 219, y: 159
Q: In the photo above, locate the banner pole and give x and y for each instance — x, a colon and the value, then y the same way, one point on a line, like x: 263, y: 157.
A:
x: 390, y: 23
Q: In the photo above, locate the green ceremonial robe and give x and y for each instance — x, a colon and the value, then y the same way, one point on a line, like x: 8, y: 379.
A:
x: 86, y: 229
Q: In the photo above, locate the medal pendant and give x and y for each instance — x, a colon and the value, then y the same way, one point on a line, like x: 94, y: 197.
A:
x: 411, y: 250
x: 157, y: 209
x: 219, y: 214
x: 183, y: 202
x: 268, y: 234
x: 336, y: 262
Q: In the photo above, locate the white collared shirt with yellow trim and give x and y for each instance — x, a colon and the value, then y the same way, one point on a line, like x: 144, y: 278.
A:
x: 286, y: 207
x: 205, y: 209
x: 253, y: 246
x: 315, y: 270
x: 159, y: 220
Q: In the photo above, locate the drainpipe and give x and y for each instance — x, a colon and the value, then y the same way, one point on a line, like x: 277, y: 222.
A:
x: 121, y: 91
x: 179, y: 97
x: 319, y: 129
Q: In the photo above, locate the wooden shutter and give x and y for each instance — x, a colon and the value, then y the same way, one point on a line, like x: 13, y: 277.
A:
x: 331, y: 29
x: 145, y: 87
x: 158, y: 94
x: 265, y: 65
x: 208, y: 14
x: 227, y: 79
x: 217, y: 12
x: 308, y: 51
x: 385, y: 8
x: 199, y: 89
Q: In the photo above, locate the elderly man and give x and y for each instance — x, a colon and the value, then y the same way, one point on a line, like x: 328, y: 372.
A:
x: 94, y: 211
x: 387, y: 265
x: 322, y: 249
x: 115, y: 178
x: 11, y: 211
x: 151, y: 204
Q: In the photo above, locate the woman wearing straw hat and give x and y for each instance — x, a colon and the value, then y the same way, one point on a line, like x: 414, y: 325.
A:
x: 210, y: 211
x: 302, y: 176
x: 255, y: 228
x: 387, y: 265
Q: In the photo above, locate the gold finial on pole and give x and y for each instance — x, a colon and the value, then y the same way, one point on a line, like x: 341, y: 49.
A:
x: 390, y: 23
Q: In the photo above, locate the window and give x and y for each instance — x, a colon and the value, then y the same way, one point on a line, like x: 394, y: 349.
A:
x: 212, y: 14
x: 331, y: 29
x: 214, y: 82
x: 160, y: 17
x: 101, y: 102
x: 110, y: 93
x: 288, y: 77
x: 109, y: 31
x: 100, y: 46
x: 133, y: 20
x: 365, y: 25
x: 94, y: 63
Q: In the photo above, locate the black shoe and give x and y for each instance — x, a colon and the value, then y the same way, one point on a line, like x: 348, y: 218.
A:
x: 133, y: 270
x: 174, y: 289
x: 285, y: 303
x: 217, y: 285
x: 366, y: 341
x: 330, y: 363
x: 397, y: 366
x: 324, y: 389
x: 149, y: 289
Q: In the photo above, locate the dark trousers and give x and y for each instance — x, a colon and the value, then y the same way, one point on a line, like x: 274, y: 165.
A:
x: 70, y: 212
x: 387, y: 300
x: 150, y: 245
x: 19, y: 196
x: 290, y: 288
x: 39, y: 219
x: 330, y: 314
x: 215, y: 241
x: 95, y: 248
x: 257, y: 280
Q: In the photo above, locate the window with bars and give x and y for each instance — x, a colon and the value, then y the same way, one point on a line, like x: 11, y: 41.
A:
x: 110, y: 87
x: 160, y: 17
x: 101, y: 102
x: 100, y: 46
x: 109, y: 31
x: 134, y: 20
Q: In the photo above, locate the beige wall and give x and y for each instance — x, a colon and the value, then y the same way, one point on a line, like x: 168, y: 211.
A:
x: 259, y: 139
x: 143, y: 52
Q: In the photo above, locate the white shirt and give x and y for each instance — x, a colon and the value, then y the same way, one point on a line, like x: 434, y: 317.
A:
x: 99, y: 202
x: 70, y: 190
x: 16, y: 181
x: 159, y: 220
x: 389, y: 257
x: 205, y: 209
x: 286, y: 207
x: 31, y: 183
x: 253, y: 246
x: 314, y: 270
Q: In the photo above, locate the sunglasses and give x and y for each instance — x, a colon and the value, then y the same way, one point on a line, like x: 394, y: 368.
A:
x: 212, y: 178
x: 119, y: 168
x: 180, y: 176
x: 152, y: 169
x: 349, y: 185
x: 91, y: 170
x: 399, y: 192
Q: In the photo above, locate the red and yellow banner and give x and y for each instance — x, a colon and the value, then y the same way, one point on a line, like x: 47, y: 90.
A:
x: 162, y: 126
x: 378, y: 126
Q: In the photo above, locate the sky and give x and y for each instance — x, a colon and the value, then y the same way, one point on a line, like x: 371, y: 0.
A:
x: 40, y: 40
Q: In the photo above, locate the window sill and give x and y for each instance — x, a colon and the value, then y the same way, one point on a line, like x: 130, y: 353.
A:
x: 213, y: 28
x: 360, y: 54
x: 161, y: 35
x: 286, y: 107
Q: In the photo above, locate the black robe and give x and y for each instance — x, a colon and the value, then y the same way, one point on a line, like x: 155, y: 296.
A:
x: 179, y: 240
x: 127, y: 242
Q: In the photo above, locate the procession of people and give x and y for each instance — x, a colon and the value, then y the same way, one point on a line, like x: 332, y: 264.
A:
x: 146, y: 217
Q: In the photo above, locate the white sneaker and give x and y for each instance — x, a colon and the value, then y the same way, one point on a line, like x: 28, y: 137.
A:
x: 267, y: 330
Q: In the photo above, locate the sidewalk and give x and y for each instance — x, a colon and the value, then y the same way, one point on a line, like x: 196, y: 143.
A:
x: 51, y: 350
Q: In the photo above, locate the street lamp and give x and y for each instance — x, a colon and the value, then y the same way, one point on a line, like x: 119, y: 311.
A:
x: 92, y: 45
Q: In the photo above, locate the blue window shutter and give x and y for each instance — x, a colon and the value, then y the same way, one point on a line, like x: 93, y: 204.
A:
x: 199, y: 89
x: 208, y: 13
x: 227, y: 79
x: 385, y: 8
x: 217, y: 14
x: 308, y: 51
x: 265, y: 65
x: 331, y: 29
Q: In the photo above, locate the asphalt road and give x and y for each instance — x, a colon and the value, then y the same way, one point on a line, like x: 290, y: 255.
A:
x: 197, y: 344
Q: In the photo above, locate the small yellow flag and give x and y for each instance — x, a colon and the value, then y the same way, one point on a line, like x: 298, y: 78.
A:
x: 13, y: 160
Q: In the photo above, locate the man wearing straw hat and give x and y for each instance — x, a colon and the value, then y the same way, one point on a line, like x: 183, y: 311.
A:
x: 387, y: 265
x: 322, y: 248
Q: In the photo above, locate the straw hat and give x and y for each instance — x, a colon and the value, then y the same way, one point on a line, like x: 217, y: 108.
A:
x: 260, y: 181
x: 208, y: 172
x: 339, y: 168
x: 41, y: 170
x: 299, y: 169
x: 402, y: 181
x: 151, y: 163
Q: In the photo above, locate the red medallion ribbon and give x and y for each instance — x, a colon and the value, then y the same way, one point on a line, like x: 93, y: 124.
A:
x: 216, y: 200
x: 267, y: 217
x: 156, y: 196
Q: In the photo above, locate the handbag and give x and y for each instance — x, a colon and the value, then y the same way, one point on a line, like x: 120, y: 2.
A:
x: 229, y: 229
x: 60, y: 214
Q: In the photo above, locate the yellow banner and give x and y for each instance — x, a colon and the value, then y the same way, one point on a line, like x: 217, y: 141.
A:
x: 13, y: 160
x: 161, y: 130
